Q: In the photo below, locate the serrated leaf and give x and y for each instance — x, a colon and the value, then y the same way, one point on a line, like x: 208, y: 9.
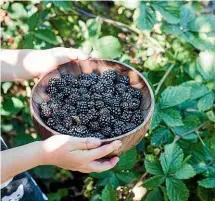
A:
x: 197, y: 89
x: 152, y: 165
x: 172, y: 117
x: 172, y: 158
x: 46, y: 35
x: 144, y: 17
x: 153, y: 182
x: 67, y: 5
x: 161, y: 136
x: 206, y: 102
x: 94, y: 28
x: 185, y: 172
x: 109, y: 194
x: 126, y: 177
x: 176, y: 190
x: 101, y: 175
x: 156, y: 117
x: 28, y: 41
x: 33, y: 21
x: 208, y: 182
x: 154, y: 195
x: 186, y: 15
x: 107, y: 47
x: 202, y: 23
x: 127, y: 160
x: 168, y: 9
x: 174, y: 96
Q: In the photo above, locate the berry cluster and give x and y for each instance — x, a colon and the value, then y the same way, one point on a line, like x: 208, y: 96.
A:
x: 92, y: 105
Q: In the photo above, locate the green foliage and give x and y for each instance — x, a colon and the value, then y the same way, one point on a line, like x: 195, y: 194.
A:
x: 172, y: 44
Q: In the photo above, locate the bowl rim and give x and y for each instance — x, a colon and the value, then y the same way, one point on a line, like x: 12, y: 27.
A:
x: 148, y: 117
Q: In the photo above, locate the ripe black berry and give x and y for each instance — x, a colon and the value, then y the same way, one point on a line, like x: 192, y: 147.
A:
x: 51, y: 122
x: 107, y: 131
x: 82, y: 107
x: 124, y: 80
x: 126, y: 116
x: 82, y: 130
x: 51, y: 90
x: 99, y: 105
x: 109, y: 75
x: 94, y: 126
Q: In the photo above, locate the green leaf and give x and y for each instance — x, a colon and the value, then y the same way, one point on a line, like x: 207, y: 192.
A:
x: 173, y: 96
x: 33, y: 21
x: 197, y: 89
x: 67, y: 5
x: 44, y: 172
x: 172, y: 158
x: 156, y: 117
x: 208, y: 182
x: 17, y: 11
x: 176, y: 190
x: 206, y: 102
x: 154, y: 182
x: 101, y: 175
x: 127, y: 160
x: 185, y: 172
x: 205, y: 64
x: 202, y: 23
x: 94, y: 28
x: 153, y: 165
x: 46, y: 35
x: 28, y: 41
x: 144, y: 17
x: 108, y: 194
x: 161, y: 136
x: 172, y: 117
x: 154, y: 195
x: 168, y: 9
x: 107, y: 47
x: 6, y: 86
x: 186, y: 15
x: 126, y: 177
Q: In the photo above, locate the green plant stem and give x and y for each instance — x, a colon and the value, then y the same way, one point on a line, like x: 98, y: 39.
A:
x: 192, y: 130
x: 136, y: 184
x: 164, y: 78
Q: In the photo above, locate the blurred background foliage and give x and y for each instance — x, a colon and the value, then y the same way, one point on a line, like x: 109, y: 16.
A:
x: 172, y: 43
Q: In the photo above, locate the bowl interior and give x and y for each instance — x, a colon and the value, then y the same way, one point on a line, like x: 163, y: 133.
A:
x: 98, y: 66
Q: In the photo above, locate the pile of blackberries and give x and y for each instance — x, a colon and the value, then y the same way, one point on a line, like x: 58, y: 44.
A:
x: 92, y: 105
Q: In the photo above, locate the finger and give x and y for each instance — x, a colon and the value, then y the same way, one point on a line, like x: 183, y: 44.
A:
x: 76, y: 54
x: 102, y: 151
x: 85, y: 143
x: 96, y: 166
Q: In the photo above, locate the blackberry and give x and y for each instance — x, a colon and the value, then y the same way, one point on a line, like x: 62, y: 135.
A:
x: 70, y: 109
x: 108, y: 99
x: 129, y: 127
x: 52, y: 82
x: 85, y: 83
x: 82, y: 107
x: 85, y: 97
x: 51, y: 90
x: 104, y: 120
x: 108, y: 84
x: 105, y: 111
x: 120, y: 88
x: 96, y: 135
x: 51, y: 122
x: 92, y: 114
x: 136, y: 93
x: 74, y: 91
x: 67, y: 91
x: 124, y: 105
x: 124, y: 80
x: 96, y: 97
x: 126, y: 116
x: 58, y: 97
x: 73, y: 83
x: 68, y: 122
x: 46, y: 112
x: 112, y: 120
x: 116, y: 111
x: 118, y: 124
x: 62, y: 113
x: 116, y: 101
x: 94, y: 126
x: 99, y: 105
x: 84, y: 77
x: 109, y: 74
x: 44, y: 104
x: 73, y: 98
x: 137, y: 118
x: 68, y: 78
x: 82, y: 91
x: 55, y: 105
x: 59, y: 128
x: 97, y: 88
x: 82, y: 130
x: 126, y: 97
x: 107, y: 131
x: 134, y: 104
x: 118, y: 131
x: 60, y: 83
x: 91, y: 105
x: 94, y: 78
x: 84, y: 120
x: 111, y: 91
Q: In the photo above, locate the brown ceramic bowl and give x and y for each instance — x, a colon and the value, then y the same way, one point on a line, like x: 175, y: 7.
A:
x: 137, y: 80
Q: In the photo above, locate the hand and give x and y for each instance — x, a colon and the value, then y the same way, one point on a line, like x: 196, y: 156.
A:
x: 43, y: 61
x: 79, y: 154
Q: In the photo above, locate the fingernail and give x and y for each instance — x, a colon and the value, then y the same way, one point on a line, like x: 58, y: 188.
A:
x: 117, y: 144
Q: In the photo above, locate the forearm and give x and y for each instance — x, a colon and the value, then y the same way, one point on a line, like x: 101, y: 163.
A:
x: 23, y: 64
x: 20, y: 159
